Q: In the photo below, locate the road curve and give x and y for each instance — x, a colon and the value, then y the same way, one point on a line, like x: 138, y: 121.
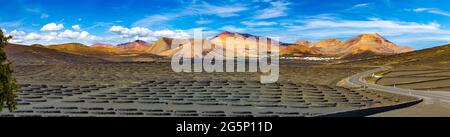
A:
x: 358, y: 79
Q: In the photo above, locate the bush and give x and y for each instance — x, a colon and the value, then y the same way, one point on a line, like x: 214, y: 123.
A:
x: 8, y: 85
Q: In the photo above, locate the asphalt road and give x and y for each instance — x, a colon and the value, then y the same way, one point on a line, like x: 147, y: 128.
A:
x: 427, y: 96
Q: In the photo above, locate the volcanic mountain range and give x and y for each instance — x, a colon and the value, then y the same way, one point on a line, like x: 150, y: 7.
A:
x: 360, y: 47
x: 366, y: 44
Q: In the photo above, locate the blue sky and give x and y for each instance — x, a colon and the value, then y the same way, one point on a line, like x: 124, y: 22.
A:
x: 416, y: 23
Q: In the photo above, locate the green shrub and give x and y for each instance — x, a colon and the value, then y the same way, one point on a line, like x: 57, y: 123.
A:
x: 8, y: 85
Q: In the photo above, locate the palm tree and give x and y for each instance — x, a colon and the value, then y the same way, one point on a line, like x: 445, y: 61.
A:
x: 8, y: 85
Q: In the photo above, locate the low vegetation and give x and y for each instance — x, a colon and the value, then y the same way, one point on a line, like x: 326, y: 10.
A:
x: 8, y: 85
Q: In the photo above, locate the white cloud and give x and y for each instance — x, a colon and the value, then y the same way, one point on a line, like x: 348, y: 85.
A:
x: 361, y: 5
x: 323, y: 16
x: 18, y: 36
x: 52, y: 27
x: 203, y: 8
x: 83, y: 35
x: 222, y: 11
x: 433, y: 11
x: 144, y: 33
x: 372, y: 23
x: 139, y: 31
x: 170, y: 33
x: 16, y: 41
x: 277, y: 9
x: 69, y: 34
x: 135, y: 31
x: 76, y: 27
x: 259, y: 23
x: 50, y: 36
x: 118, y: 29
x: 232, y: 29
x: 194, y: 9
x: 100, y: 25
x: 32, y: 36
x: 16, y: 33
x: 262, y: 0
x: 154, y: 19
x: 403, y: 33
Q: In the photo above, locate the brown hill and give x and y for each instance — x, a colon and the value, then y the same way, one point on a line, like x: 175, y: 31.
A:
x: 374, y: 43
x: 303, y: 43
x: 297, y: 50
x: 220, y: 39
x: 173, y: 51
x: 38, y: 55
x: 137, y: 45
x: 363, y: 55
x: 161, y: 45
x: 81, y: 49
x: 437, y: 56
x: 106, y: 53
x: 103, y: 45
x: 331, y: 46
x: 362, y: 46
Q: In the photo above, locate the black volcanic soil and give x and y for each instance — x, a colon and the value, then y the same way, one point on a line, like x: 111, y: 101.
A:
x: 300, y: 72
x: 153, y: 89
x: 38, y: 55
x: 436, y: 58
